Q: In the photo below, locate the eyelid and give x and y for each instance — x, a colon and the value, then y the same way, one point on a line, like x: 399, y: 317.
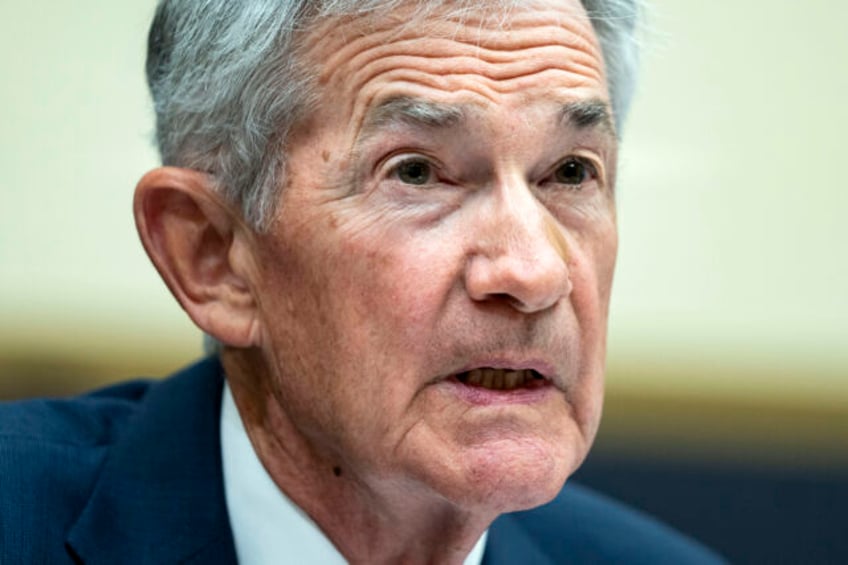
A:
x: 390, y: 164
x: 590, y: 160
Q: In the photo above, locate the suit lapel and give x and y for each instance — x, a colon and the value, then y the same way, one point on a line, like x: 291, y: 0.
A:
x: 160, y: 496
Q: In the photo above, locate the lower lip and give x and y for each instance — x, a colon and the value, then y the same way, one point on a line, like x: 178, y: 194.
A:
x: 480, y: 396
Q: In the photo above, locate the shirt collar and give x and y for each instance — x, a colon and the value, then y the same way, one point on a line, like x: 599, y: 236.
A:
x: 265, y: 522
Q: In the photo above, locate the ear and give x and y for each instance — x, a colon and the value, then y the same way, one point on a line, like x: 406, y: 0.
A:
x: 201, y: 249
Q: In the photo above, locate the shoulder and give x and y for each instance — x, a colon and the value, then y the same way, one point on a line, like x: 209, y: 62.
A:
x: 50, y: 452
x: 583, y: 526
x: 56, y: 455
x: 83, y: 421
x: 41, y: 432
x: 96, y: 419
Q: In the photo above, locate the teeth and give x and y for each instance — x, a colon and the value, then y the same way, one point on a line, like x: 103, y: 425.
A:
x: 488, y: 378
x: 512, y: 379
x: 499, y: 379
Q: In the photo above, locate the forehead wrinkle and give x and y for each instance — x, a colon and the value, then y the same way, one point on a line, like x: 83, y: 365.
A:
x: 479, y: 28
x: 476, y: 58
x: 447, y: 57
x: 368, y: 59
x: 487, y: 80
x: 371, y: 38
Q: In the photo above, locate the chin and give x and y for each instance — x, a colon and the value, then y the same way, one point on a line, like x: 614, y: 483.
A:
x: 515, y: 476
x: 514, y: 496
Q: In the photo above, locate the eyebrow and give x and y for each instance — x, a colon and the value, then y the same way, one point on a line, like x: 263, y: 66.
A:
x: 586, y: 114
x: 409, y: 110
x: 412, y: 111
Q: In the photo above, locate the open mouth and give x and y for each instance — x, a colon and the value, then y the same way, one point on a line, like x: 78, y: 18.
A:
x: 502, y: 379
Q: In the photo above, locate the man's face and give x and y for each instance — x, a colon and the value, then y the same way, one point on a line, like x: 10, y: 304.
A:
x: 433, y: 291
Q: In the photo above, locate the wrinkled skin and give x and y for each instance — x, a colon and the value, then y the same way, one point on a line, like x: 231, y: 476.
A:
x: 406, y: 251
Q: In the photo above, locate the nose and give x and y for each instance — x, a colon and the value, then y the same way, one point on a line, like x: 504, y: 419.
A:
x: 520, y: 254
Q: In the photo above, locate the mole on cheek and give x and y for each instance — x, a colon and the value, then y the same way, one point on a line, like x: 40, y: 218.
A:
x: 337, y: 471
x: 325, y: 155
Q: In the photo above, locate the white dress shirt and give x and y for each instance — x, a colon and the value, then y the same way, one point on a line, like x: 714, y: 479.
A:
x: 268, y: 528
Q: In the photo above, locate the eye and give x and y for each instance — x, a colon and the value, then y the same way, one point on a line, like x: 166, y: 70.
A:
x: 414, y: 171
x: 574, y: 172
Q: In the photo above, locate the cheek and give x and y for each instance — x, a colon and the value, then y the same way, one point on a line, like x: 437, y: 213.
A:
x: 400, y: 280
x: 591, y: 268
x: 593, y: 253
x: 605, y: 257
x: 357, y: 312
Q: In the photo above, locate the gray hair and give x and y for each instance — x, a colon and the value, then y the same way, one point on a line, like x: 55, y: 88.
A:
x: 228, y: 86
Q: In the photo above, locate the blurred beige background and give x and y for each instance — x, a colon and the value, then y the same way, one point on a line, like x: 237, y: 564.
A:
x: 729, y: 331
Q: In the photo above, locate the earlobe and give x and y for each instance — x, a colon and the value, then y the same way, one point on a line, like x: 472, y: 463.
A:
x: 196, y: 241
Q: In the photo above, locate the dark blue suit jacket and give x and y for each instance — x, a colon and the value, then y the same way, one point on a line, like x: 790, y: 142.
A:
x: 132, y: 474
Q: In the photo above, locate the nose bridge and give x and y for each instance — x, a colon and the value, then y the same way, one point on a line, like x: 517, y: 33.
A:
x: 526, y: 223
x: 522, y: 255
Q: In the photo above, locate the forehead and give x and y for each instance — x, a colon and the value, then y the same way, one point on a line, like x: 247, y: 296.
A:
x: 482, y: 56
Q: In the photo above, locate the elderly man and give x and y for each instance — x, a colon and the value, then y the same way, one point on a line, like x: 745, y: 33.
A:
x: 396, y: 220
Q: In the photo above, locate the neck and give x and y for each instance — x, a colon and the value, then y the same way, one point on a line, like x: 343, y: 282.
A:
x: 369, y: 518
